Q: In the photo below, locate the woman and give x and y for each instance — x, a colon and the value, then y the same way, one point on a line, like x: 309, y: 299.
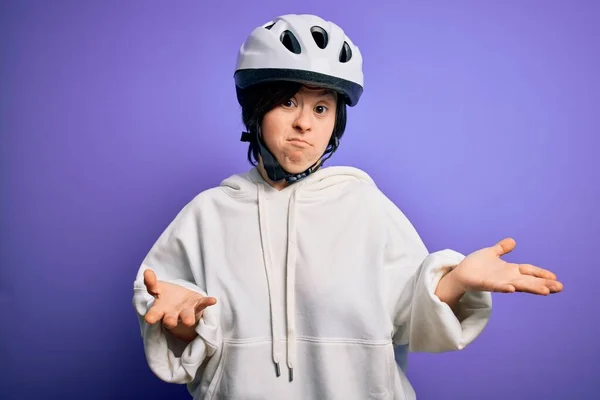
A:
x: 295, y: 281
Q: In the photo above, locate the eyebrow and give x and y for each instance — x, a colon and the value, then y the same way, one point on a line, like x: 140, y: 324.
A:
x: 330, y: 93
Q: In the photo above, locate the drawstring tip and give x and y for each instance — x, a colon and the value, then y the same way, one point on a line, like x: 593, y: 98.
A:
x: 291, y: 374
x: 277, y: 370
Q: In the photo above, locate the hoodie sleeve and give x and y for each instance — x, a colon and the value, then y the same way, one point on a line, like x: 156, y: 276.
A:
x: 421, y: 320
x: 176, y: 257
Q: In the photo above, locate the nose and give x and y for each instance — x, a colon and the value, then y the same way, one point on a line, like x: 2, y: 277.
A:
x: 303, y: 122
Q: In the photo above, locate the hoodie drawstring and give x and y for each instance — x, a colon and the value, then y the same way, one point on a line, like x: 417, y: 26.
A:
x: 266, y: 250
x: 290, y: 281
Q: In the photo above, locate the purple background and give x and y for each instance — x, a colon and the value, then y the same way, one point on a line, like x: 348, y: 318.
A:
x: 479, y: 119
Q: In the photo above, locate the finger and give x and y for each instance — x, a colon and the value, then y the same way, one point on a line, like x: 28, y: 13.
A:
x: 205, y: 302
x: 531, y: 285
x: 504, y: 246
x: 554, y: 286
x: 153, y: 315
x: 188, y: 317
x: 170, y: 320
x: 528, y: 269
x: 151, y: 282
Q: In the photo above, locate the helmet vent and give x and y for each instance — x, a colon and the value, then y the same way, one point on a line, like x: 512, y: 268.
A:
x: 290, y: 42
x: 345, y: 53
x: 269, y: 25
x: 320, y: 36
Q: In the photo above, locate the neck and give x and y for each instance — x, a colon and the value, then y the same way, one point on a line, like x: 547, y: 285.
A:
x: 277, y: 185
x: 282, y: 184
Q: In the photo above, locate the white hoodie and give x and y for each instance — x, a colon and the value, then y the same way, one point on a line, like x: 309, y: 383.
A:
x: 321, y: 281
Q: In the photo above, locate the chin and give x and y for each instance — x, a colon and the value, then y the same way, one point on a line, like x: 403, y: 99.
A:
x: 296, y: 168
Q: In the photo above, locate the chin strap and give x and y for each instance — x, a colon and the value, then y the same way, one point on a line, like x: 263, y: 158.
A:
x: 274, y: 171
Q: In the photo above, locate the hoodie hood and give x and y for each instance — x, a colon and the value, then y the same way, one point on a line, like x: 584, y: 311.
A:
x: 244, y: 185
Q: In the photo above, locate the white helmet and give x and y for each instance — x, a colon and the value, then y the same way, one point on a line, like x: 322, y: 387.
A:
x: 301, y: 48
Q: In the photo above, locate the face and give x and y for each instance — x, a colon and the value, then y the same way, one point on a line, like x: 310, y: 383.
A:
x: 298, y: 131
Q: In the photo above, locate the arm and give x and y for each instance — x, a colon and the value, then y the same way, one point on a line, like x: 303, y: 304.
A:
x: 176, y: 259
x: 449, y: 290
x: 415, y: 278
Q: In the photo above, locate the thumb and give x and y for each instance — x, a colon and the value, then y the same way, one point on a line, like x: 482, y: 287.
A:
x: 150, y: 282
x: 504, y: 246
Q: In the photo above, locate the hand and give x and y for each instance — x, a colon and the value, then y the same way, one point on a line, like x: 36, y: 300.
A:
x: 178, y: 308
x: 484, y: 270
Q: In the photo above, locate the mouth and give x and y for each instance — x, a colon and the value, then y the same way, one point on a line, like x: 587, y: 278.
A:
x: 299, y: 141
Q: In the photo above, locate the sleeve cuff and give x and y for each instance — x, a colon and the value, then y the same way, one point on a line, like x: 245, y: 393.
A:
x: 434, y: 326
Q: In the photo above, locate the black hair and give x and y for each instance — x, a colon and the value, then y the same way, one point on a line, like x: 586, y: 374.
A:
x: 259, y: 99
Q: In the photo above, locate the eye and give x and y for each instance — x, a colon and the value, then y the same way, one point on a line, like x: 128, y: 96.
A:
x: 288, y: 103
x: 320, y: 109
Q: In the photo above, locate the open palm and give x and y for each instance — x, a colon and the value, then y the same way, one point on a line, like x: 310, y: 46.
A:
x: 484, y: 270
x: 174, y: 303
